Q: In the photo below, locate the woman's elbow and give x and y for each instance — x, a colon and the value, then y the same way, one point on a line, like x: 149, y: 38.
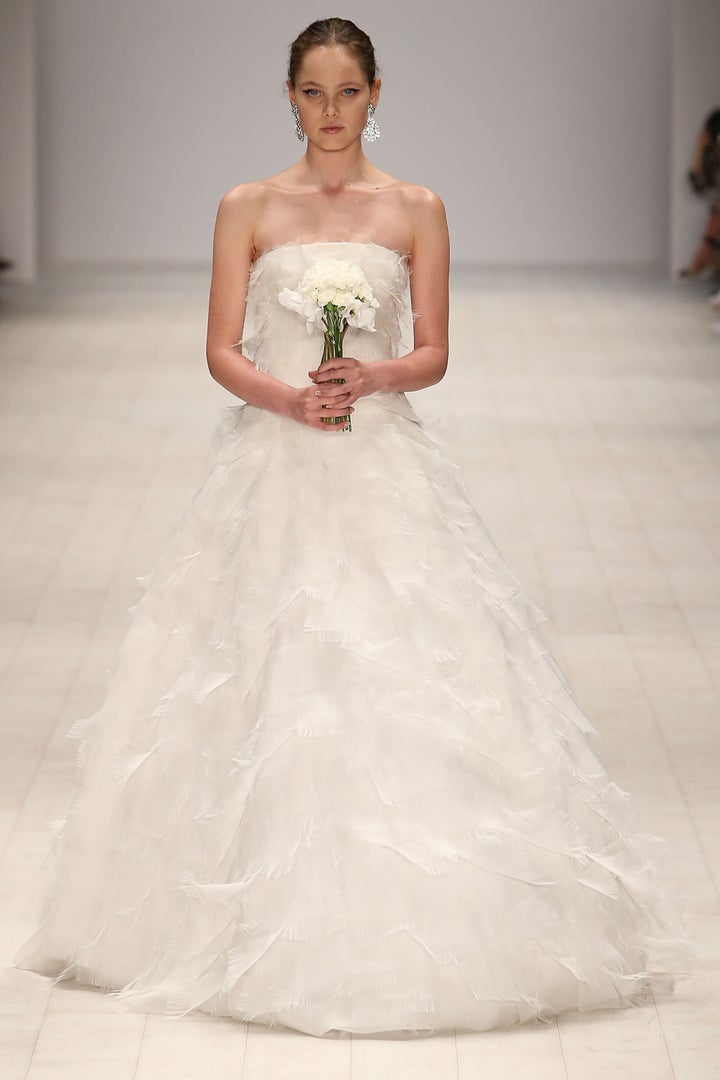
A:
x: 216, y: 362
x: 217, y: 355
x: 441, y: 365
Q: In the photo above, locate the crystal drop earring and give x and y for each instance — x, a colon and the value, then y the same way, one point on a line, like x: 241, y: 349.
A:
x: 299, y: 133
x: 371, y: 131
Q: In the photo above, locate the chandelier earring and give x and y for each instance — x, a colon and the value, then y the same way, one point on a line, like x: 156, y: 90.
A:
x: 299, y: 133
x: 371, y: 131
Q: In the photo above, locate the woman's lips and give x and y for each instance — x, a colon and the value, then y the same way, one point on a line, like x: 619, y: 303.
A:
x: 331, y: 130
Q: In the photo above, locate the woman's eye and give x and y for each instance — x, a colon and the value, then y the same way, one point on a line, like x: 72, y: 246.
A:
x: 311, y: 93
x: 349, y: 90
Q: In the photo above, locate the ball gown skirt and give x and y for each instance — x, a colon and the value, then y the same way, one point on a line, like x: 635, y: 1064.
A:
x: 337, y: 780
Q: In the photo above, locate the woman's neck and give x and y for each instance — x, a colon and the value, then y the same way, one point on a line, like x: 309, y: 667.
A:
x: 333, y: 171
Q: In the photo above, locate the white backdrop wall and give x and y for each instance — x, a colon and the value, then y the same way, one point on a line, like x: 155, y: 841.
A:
x: 543, y: 124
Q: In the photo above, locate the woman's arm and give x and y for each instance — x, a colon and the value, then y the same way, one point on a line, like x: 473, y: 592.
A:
x: 427, y: 363
x: 429, y: 265
x: 232, y: 259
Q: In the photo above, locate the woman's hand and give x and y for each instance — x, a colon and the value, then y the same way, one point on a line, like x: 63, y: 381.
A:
x: 310, y: 405
x: 358, y: 376
x: 313, y: 405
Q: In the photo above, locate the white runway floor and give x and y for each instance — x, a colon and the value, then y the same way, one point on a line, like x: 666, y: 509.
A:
x: 584, y: 407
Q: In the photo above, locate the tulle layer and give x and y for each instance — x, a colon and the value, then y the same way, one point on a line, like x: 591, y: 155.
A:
x: 338, y: 781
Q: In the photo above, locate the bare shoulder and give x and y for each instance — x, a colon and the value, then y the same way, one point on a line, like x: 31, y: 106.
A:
x: 421, y: 198
x: 415, y: 197
x: 256, y: 192
x: 425, y: 206
x: 243, y: 201
x: 257, y: 209
x: 241, y: 210
x: 425, y: 211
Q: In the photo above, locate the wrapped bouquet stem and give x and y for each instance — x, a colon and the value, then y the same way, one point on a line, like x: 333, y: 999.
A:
x: 334, y: 336
x: 332, y: 296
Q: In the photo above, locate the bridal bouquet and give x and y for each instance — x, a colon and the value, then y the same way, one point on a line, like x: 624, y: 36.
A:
x: 332, y: 296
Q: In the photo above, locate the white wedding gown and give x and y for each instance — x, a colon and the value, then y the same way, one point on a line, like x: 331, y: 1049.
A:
x: 337, y: 780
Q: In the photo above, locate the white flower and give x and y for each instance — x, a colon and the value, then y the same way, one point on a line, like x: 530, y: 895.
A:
x: 333, y: 282
x: 307, y: 308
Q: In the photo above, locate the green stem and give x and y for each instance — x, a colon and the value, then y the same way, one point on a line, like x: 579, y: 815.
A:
x: 334, y: 336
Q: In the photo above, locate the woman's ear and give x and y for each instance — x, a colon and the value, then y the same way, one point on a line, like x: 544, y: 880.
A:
x: 375, y: 91
x: 291, y: 94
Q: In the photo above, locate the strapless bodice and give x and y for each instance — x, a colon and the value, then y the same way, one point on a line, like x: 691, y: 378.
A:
x: 276, y: 339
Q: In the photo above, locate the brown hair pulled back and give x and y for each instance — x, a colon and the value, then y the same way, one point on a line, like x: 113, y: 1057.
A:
x: 333, y: 32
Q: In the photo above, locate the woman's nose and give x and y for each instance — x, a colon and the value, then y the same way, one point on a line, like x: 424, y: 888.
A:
x: 330, y: 107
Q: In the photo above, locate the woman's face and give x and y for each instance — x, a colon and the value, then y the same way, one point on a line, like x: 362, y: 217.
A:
x: 332, y: 96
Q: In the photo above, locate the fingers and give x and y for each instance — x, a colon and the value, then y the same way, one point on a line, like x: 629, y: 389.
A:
x: 322, y: 415
x: 328, y: 401
x: 333, y: 369
x: 332, y: 388
x: 319, y: 408
x: 327, y: 414
x: 333, y: 394
x: 333, y: 391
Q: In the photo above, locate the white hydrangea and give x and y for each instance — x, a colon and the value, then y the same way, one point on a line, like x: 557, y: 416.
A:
x: 333, y: 281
